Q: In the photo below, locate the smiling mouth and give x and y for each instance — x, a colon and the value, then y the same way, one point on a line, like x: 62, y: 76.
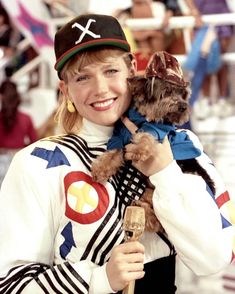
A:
x: 103, y: 105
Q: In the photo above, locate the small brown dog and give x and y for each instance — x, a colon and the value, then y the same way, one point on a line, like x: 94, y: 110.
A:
x: 160, y: 101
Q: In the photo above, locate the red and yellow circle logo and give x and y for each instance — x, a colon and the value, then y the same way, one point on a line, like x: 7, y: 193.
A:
x: 86, y: 201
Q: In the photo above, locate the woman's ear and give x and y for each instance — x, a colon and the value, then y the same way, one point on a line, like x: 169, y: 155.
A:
x: 63, y: 88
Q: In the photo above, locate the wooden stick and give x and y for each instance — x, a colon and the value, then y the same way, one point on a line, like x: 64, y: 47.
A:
x: 130, y: 288
x: 134, y: 223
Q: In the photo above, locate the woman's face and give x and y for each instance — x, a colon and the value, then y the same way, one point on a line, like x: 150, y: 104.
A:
x: 99, y: 91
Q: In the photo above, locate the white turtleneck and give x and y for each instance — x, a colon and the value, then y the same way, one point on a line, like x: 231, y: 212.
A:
x: 95, y: 134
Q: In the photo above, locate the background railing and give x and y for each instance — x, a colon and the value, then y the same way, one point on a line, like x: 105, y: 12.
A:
x: 186, y: 23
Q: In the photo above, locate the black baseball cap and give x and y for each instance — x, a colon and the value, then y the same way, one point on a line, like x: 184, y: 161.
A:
x: 86, y: 31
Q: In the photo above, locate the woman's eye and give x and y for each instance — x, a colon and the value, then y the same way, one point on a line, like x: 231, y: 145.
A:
x: 81, y: 78
x: 112, y: 71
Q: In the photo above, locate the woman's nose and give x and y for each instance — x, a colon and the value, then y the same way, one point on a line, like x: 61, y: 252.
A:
x: 100, y: 86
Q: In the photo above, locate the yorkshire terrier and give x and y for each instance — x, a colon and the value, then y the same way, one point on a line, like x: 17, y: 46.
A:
x: 160, y: 102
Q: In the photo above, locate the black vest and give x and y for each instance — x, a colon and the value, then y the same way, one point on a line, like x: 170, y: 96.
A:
x: 159, y: 275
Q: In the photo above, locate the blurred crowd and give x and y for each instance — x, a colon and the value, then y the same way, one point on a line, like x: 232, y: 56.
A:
x: 203, y: 64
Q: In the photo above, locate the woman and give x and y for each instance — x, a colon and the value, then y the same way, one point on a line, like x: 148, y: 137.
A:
x: 64, y: 230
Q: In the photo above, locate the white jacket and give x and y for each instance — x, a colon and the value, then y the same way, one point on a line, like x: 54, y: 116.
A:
x: 57, y: 226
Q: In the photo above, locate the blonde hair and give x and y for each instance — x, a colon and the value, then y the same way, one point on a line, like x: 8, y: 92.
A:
x: 72, y: 122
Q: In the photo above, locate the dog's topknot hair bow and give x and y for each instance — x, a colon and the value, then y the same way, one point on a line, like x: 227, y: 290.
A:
x: 164, y: 66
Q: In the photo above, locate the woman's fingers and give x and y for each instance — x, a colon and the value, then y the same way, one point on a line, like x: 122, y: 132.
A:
x: 129, y: 124
x: 151, y: 156
x: 125, y: 264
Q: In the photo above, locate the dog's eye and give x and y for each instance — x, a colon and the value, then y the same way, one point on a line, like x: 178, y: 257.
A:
x: 167, y: 93
x: 185, y: 95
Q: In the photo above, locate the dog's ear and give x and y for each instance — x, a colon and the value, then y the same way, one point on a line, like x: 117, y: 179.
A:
x: 188, y: 92
x: 154, y: 89
x: 136, y: 85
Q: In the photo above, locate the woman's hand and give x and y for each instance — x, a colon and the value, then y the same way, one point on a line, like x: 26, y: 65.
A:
x: 147, y: 154
x: 125, y: 264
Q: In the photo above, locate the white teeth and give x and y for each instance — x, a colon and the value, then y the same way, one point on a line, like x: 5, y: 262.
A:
x: 103, y: 104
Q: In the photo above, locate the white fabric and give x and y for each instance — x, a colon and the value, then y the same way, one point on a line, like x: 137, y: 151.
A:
x: 34, y: 217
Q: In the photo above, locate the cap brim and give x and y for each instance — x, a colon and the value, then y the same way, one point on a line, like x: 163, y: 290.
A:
x: 95, y: 43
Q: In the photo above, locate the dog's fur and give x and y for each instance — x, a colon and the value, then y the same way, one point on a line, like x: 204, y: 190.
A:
x: 161, y: 102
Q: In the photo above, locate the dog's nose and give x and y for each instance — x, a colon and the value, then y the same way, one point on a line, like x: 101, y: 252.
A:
x: 182, y: 107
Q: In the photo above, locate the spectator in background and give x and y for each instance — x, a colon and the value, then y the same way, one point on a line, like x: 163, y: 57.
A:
x: 10, y: 37
x: 16, y: 128
x: 5, y: 37
x: 150, y: 40
x: 224, y: 35
x: 202, y: 59
x: 5, y: 28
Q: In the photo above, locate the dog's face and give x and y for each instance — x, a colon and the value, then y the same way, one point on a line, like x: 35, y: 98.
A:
x: 160, y: 101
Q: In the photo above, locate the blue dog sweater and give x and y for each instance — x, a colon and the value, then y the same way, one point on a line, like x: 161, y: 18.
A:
x: 182, y: 146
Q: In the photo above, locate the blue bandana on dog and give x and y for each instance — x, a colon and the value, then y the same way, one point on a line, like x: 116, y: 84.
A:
x: 182, y: 146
